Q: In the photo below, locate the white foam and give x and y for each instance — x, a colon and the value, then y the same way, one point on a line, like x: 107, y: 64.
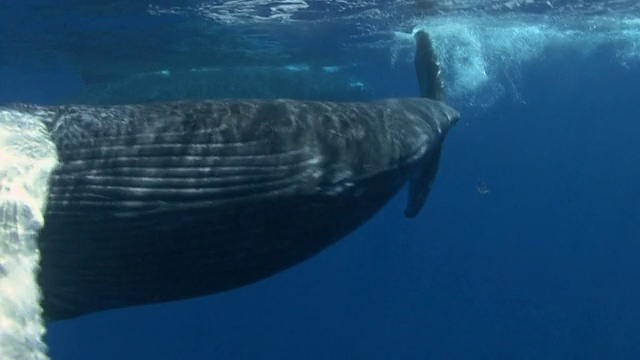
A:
x: 27, y: 157
x: 482, y: 55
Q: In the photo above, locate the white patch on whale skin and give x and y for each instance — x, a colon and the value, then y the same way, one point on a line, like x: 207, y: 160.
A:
x: 27, y: 158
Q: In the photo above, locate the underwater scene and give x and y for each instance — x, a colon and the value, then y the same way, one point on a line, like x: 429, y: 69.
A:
x: 306, y: 179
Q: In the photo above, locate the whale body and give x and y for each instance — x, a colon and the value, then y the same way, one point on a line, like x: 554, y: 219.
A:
x: 159, y: 202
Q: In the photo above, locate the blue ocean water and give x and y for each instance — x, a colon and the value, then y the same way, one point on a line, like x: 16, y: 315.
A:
x: 542, y: 266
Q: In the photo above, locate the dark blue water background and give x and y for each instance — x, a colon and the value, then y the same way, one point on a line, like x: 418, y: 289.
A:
x: 544, y: 266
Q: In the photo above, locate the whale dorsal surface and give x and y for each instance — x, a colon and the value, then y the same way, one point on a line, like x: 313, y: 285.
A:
x: 159, y: 202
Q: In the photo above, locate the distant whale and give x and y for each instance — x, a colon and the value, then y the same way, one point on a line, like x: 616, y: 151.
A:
x: 159, y: 202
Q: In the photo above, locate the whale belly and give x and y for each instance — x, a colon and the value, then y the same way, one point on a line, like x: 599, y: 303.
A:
x: 172, y: 201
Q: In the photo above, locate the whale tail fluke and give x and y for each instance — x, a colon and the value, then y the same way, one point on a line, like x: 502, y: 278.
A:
x: 428, y: 68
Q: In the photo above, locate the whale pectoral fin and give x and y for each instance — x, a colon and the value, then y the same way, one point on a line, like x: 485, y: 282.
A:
x: 421, y: 181
x: 428, y: 68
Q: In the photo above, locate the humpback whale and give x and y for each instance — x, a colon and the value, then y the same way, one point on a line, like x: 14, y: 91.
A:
x: 158, y: 202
